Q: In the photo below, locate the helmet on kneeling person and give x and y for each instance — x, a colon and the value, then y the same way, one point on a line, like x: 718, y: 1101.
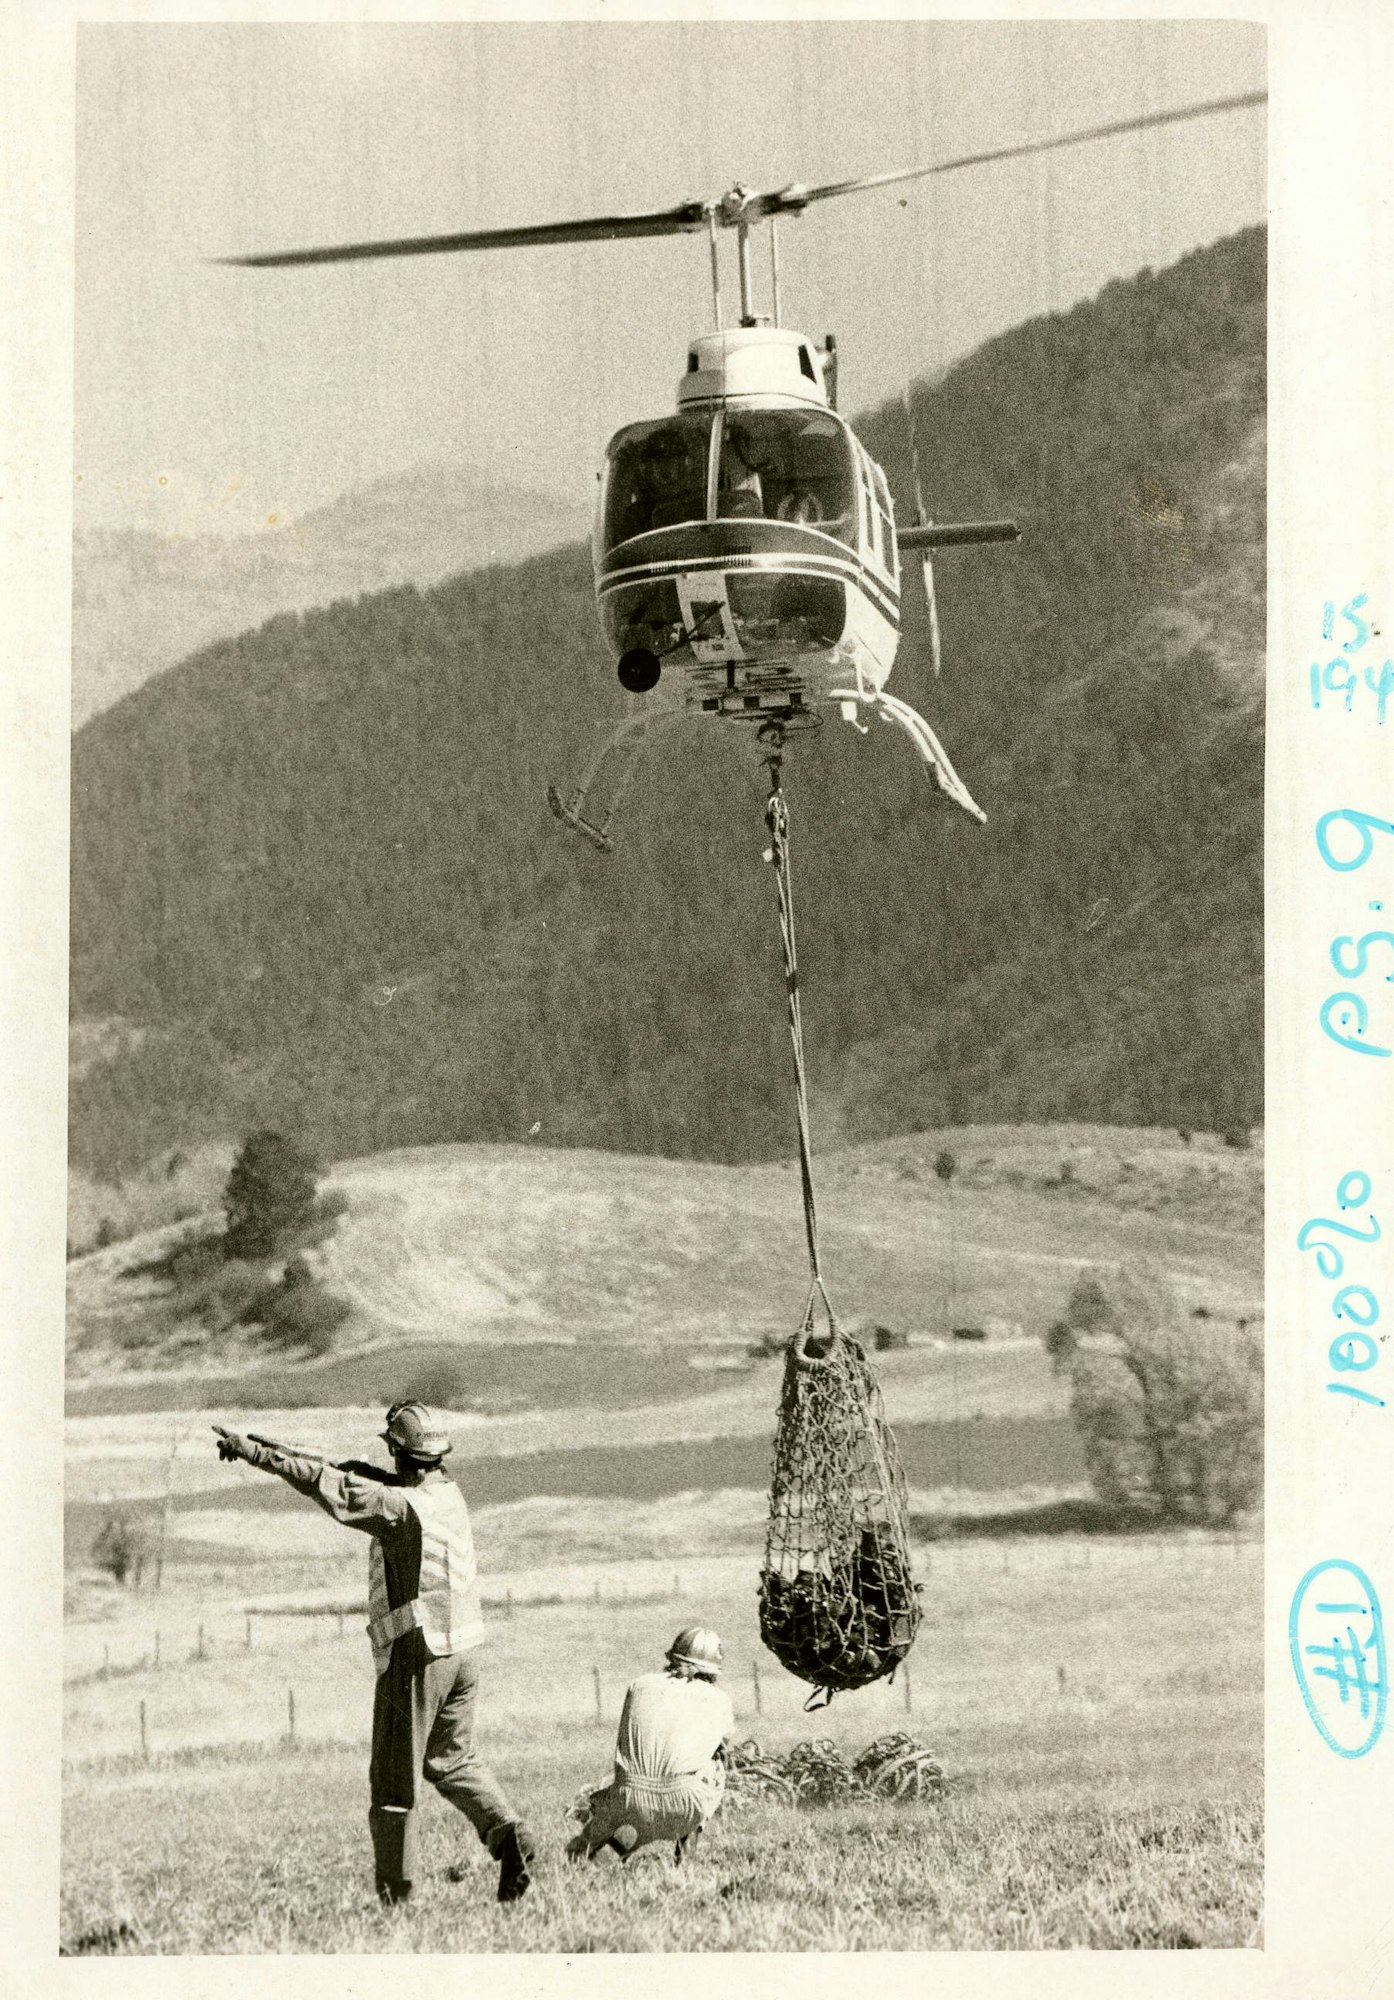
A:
x: 698, y: 1648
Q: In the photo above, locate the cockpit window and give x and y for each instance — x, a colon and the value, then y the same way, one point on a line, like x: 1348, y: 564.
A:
x: 657, y: 476
x: 779, y: 465
x: 787, y: 465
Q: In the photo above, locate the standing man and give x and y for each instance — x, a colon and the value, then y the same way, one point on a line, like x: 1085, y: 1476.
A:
x: 669, y: 1778
x: 424, y: 1623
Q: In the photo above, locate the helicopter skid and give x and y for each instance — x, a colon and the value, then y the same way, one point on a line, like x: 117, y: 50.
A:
x: 592, y: 806
x: 933, y: 755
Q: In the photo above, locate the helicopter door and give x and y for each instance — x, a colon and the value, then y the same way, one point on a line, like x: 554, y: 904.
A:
x: 707, y: 619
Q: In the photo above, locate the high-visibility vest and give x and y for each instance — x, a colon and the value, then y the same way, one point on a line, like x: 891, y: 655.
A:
x: 446, y: 1608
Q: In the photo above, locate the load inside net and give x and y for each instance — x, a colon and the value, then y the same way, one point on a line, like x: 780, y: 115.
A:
x: 838, y: 1604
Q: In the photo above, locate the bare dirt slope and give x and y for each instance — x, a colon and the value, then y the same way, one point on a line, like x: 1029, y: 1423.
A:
x: 457, y: 1244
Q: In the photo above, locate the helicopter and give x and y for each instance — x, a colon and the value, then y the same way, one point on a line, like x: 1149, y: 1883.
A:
x: 746, y: 553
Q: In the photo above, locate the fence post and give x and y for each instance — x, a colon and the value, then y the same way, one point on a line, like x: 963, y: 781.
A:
x: 144, y: 1744
x: 106, y: 1661
x: 290, y: 1715
x: 909, y: 1697
x: 157, y: 1649
x: 249, y: 1631
x: 508, y: 1602
x: 677, y: 1584
x: 597, y: 1590
x: 755, y: 1683
x: 200, y: 1642
x: 599, y: 1706
x: 340, y: 1610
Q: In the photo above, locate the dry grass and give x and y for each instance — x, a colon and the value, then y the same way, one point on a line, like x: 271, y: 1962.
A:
x: 1101, y: 1717
x: 978, y: 1872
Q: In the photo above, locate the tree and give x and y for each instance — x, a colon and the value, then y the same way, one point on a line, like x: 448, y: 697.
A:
x: 269, y: 1197
x: 1170, y: 1412
x: 122, y: 1548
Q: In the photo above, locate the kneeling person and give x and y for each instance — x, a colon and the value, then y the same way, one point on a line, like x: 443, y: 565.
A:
x: 669, y: 1779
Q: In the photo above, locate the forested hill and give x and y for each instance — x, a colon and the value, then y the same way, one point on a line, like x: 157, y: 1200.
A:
x: 314, y: 866
x: 142, y: 601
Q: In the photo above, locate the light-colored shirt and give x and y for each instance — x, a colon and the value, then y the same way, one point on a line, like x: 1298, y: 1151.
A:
x: 671, y: 1728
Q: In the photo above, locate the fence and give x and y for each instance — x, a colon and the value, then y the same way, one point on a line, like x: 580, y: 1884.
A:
x: 274, y: 1702
x: 257, y: 1627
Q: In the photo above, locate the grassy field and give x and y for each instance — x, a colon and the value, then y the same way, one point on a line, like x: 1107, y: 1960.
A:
x: 1096, y: 1697
x: 1099, y: 1710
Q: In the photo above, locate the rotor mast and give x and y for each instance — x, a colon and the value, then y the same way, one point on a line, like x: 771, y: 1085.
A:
x: 739, y: 209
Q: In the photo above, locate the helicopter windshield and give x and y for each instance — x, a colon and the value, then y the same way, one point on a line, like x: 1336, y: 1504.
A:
x: 787, y: 465
x: 777, y: 465
x: 658, y: 476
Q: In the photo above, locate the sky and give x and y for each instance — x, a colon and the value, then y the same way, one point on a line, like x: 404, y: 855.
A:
x: 216, y: 399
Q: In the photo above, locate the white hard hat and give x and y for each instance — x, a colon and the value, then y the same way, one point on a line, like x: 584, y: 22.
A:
x: 413, y: 1429
x: 696, y: 1646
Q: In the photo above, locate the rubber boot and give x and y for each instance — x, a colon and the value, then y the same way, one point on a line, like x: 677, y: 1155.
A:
x: 515, y: 1852
x: 394, y: 1851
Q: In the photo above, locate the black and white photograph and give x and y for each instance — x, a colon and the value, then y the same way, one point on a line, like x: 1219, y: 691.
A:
x: 673, y: 889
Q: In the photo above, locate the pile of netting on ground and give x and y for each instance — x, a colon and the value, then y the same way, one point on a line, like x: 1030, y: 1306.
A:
x: 838, y: 1605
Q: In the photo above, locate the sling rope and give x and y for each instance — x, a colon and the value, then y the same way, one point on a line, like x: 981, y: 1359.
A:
x: 838, y: 1603
x: 777, y: 821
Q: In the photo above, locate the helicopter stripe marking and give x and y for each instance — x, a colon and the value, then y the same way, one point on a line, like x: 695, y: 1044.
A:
x: 886, y: 602
x: 700, y: 541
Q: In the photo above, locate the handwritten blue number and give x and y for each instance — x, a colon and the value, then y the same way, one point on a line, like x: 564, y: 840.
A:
x: 1380, y: 687
x: 1363, y: 823
x: 1362, y: 953
x: 1362, y: 630
x: 1342, y: 678
x: 1355, y: 1041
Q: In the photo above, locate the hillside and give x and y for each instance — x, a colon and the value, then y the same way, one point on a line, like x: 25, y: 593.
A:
x: 314, y: 882
x: 143, y: 601
x: 513, y: 1246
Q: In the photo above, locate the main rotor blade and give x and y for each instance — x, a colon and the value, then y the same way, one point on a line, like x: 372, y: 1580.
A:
x: 737, y: 207
x: 793, y: 199
x: 596, y: 229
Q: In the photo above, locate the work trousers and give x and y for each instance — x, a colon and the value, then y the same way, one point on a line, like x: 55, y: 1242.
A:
x: 654, y: 1809
x: 423, y: 1726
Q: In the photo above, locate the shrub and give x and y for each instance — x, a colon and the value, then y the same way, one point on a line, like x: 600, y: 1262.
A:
x: 122, y: 1548
x: 269, y: 1197
x: 1089, y: 1309
x: 296, y: 1313
x: 887, y: 1338
x: 946, y: 1166
x: 191, y: 1264
x: 1061, y: 1341
x: 228, y: 1294
x: 439, y: 1382
x: 1170, y: 1413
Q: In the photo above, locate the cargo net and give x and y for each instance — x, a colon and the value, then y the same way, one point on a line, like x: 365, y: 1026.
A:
x: 838, y: 1605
